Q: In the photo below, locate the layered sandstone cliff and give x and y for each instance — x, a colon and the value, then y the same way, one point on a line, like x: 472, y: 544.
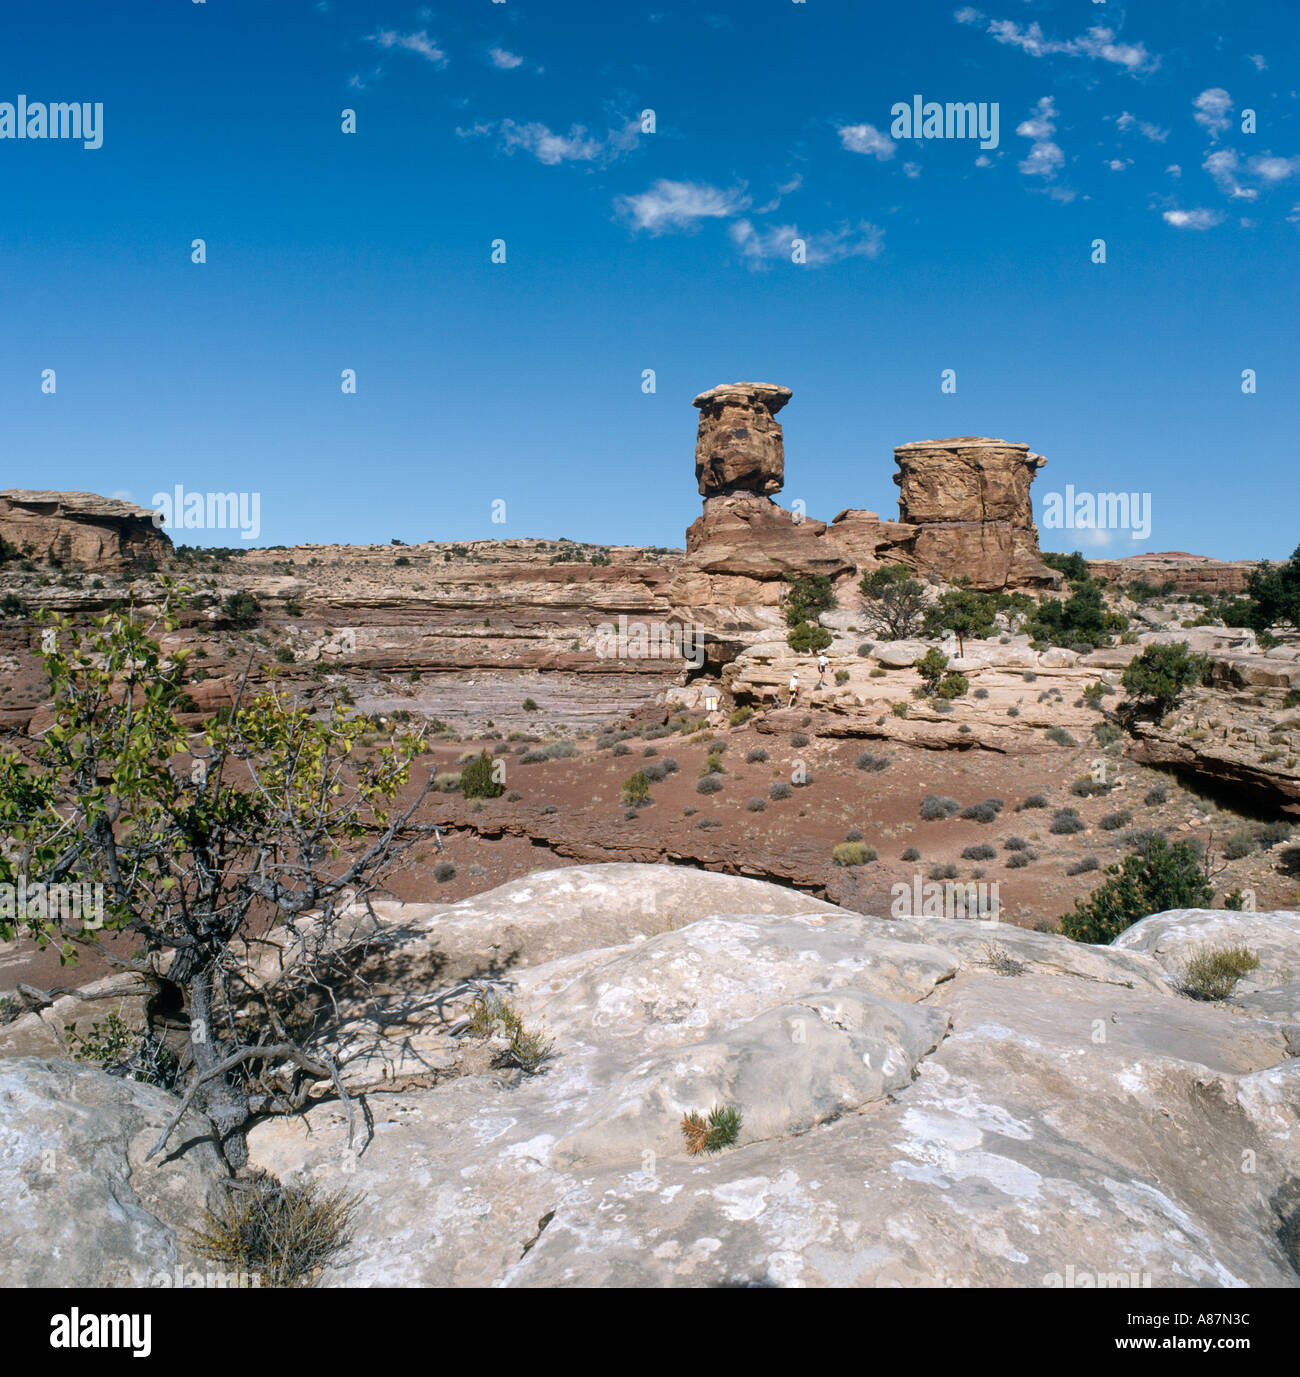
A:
x: 80, y: 528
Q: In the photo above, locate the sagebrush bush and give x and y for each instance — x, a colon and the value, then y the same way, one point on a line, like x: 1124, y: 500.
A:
x: 1066, y: 822
x: 708, y: 784
x: 911, y: 854
x: 756, y: 757
x: 1112, y: 822
x: 980, y: 852
x: 853, y: 853
x: 1240, y: 843
x: 1083, y: 866
x: 282, y: 1234
x: 1060, y: 736
x: 1036, y: 801
x: 444, y: 871
x: 1087, y: 787
x: 982, y: 812
x: 1017, y: 860
x: 874, y: 764
x: 799, y: 740
x: 1016, y: 844
x: 756, y: 804
x: 943, y: 872
x: 937, y: 806
x: 1211, y: 972
x: 779, y: 790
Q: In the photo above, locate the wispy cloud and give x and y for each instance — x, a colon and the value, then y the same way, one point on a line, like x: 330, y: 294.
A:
x: 419, y: 43
x: 1153, y: 132
x: 553, y: 148
x: 1098, y: 43
x: 1044, y: 158
x: 1193, y: 219
x: 1258, y: 61
x: 1222, y: 165
x: 504, y: 61
x: 1212, y: 108
x: 866, y: 138
x: 778, y: 242
x: 671, y: 205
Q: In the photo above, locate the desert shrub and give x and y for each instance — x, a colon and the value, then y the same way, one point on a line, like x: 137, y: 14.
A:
x: 953, y: 685
x: 649, y: 753
x: 1159, y: 877
x: 779, y: 790
x: 719, y: 1130
x: 478, y: 778
x: 669, y: 764
x: 841, y: 676
x: 853, y: 834
x: 980, y: 693
x: 1083, y: 866
x: 942, y: 706
x: 1087, y: 787
x: 899, y: 709
x: 1112, y: 822
x: 1107, y: 732
x: 621, y: 748
x: 935, y: 807
x: 877, y: 672
x: 911, y: 854
x: 656, y: 733
x: 756, y: 804
x: 740, y: 716
x: 1017, y: 860
x: 799, y: 740
x: 709, y: 824
x: 448, y: 783
x: 1239, y: 844
x: 1013, y: 712
x: 1036, y: 801
x: 1066, y: 823
x: 980, y: 852
x: 804, y: 638
x: 1016, y: 844
x: 444, y: 871
x: 636, y: 789
x: 283, y: 1234
x: 896, y: 602
x: 931, y: 667
x: 709, y: 784
x: 1029, y: 677
x: 982, y: 812
x: 1155, y: 797
x: 1160, y: 673
x: 534, y: 758
x: 713, y: 765
x: 560, y: 750
x: 655, y: 772
x: 513, y: 796
x: 853, y: 853
x: 872, y: 763
x: 943, y: 872
x: 1270, y: 833
x: 530, y: 705
x: 135, y: 1053
x: 1060, y: 736
x: 756, y: 757
x: 1211, y: 972
x: 865, y: 649
x: 526, y: 1048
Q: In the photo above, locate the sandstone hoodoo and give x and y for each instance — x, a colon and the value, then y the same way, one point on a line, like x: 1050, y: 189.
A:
x: 969, y: 499
x: 740, y: 447
x: 81, y: 528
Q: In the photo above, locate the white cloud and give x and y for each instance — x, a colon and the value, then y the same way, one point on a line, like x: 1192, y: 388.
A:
x: 1119, y: 164
x: 1044, y: 157
x: 419, y: 43
x: 782, y: 191
x: 679, y: 205
x: 911, y: 169
x: 1153, y: 132
x: 1258, y: 60
x: 1270, y: 169
x: 983, y: 160
x: 1193, y: 219
x: 1097, y: 44
x: 1222, y: 166
x: 777, y: 242
x: 552, y: 148
x: 1174, y: 170
x: 1212, y: 108
x: 503, y: 60
x: 866, y: 138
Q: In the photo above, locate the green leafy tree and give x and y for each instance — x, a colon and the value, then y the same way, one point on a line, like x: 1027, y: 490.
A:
x: 1083, y: 618
x: 964, y: 612
x: 1158, y: 877
x: 896, y: 602
x: 270, y: 818
x: 931, y: 667
x: 806, y: 638
x: 807, y: 597
x: 1160, y: 674
x: 479, y: 779
x: 1073, y: 565
x: 1273, y: 594
x: 241, y: 610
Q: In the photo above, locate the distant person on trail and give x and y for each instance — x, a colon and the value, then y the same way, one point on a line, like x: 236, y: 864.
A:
x: 794, y: 689
x: 822, y: 663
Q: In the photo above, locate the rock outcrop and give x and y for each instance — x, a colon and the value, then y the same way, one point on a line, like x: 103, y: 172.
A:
x: 81, y: 528
x: 923, y: 1102
x: 968, y: 498
x: 739, y: 447
x: 1177, y: 571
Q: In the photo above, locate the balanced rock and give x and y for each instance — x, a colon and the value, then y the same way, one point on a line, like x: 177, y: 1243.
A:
x: 739, y: 447
x: 81, y: 528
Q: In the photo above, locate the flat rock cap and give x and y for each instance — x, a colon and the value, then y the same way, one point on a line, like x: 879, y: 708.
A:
x: 768, y: 394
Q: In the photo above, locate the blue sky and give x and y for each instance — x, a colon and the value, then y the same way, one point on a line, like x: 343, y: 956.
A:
x: 668, y: 250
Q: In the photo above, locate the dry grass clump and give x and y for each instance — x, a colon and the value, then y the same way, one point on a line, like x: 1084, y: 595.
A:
x: 1213, y: 971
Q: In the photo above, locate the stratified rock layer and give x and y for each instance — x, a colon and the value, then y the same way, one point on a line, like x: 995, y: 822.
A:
x: 968, y: 497
x: 80, y: 528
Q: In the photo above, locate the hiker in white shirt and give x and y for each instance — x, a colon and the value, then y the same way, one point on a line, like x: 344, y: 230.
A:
x: 822, y: 663
x: 794, y: 689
